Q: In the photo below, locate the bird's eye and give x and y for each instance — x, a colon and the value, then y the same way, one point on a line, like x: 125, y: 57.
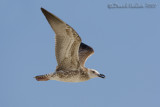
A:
x: 93, y: 71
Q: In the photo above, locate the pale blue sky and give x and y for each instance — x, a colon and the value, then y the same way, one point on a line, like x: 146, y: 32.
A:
x: 127, y: 50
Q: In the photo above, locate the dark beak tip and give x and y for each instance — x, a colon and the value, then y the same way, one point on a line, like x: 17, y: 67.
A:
x: 102, y: 76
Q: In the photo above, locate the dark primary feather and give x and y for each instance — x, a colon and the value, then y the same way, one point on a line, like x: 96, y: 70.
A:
x: 84, y: 52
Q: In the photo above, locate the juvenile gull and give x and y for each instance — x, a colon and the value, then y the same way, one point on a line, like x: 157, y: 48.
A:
x: 71, y: 54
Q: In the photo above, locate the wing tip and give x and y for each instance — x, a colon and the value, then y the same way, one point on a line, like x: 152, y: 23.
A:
x: 50, y: 16
x: 44, y: 10
x: 84, y: 46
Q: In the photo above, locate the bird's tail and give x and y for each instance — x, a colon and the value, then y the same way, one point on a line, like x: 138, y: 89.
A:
x: 42, y: 78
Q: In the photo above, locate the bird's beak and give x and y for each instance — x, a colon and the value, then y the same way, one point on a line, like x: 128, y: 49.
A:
x: 101, y: 75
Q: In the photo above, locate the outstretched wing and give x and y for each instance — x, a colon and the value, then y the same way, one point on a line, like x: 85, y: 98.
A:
x: 67, y: 42
x: 84, y: 52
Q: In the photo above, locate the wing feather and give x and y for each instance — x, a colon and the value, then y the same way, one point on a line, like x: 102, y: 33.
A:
x: 84, y: 52
x: 67, y: 42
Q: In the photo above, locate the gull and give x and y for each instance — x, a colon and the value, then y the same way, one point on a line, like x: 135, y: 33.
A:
x: 71, y: 54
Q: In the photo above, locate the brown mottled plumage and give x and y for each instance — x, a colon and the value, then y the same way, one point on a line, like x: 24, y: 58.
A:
x: 71, y: 54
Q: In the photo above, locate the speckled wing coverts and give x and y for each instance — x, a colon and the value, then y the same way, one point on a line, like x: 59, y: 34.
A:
x: 67, y: 42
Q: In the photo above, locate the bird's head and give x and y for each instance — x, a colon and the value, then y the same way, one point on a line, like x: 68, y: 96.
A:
x: 93, y: 73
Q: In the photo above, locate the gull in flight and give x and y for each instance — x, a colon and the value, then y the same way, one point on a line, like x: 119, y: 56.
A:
x: 71, y: 54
